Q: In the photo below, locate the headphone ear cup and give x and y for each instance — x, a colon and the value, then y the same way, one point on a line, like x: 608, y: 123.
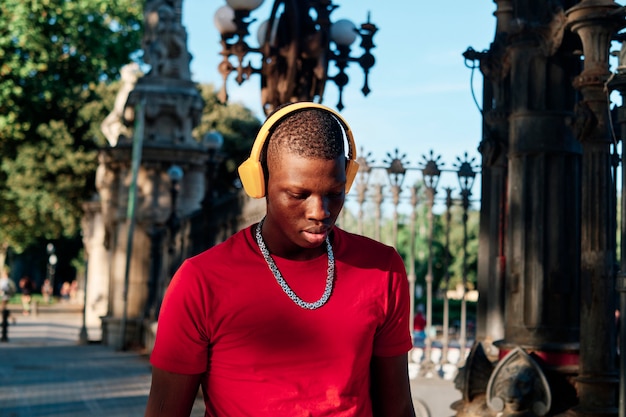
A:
x: 352, y: 168
x: 252, y: 178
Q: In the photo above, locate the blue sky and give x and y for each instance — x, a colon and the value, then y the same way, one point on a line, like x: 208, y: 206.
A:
x: 421, y: 97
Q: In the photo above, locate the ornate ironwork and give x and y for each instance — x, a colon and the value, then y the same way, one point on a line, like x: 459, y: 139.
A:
x: 297, y: 43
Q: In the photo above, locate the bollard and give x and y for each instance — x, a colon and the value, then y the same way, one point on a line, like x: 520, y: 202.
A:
x: 5, y: 325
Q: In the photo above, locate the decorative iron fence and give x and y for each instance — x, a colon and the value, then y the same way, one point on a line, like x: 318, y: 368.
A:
x: 413, y: 207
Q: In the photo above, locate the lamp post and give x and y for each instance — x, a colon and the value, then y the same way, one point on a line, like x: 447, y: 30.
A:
x: 446, y: 280
x: 396, y: 173
x: 430, y: 173
x: 361, y: 185
x: 411, y: 273
x: 83, y: 336
x: 52, y: 262
x: 213, y: 141
x: 297, y: 42
x: 466, y: 175
x: 175, y: 173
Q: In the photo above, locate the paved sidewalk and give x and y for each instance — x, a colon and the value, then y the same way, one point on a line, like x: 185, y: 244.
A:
x: 45, y: 373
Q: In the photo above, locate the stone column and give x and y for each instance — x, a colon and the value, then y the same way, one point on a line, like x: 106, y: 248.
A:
x: 533, y: 225
x: 494, y: 148
x: 542, y: 230
x: 97, y: 274
x: 618, y: 83
x: 595, y: 22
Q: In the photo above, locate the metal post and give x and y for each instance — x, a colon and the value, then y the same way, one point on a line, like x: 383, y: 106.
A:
x: 446, y: 280
x: 52, y: 261
x: 618, y: 82
x: 83, y: 337
x: 430, y: 173
x: 130, y: 215
x: 396, y: 172
x: 466, y: 176
x: 463, y: 334
x: 378, y: 201
x: 429, y: 277
x: 361, y: 187
x: 5, y: 322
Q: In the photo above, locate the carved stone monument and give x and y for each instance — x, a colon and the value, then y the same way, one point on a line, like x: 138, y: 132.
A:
x: 159, y: 112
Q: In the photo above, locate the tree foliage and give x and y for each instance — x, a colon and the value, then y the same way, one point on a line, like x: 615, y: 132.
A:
x: 54, y: 57
x: 238, y: 127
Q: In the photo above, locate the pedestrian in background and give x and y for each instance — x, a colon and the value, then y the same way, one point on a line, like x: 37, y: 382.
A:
x: 27, y: 286
x: 65, y: 291
x: 46, y: 291
x: 291, y: 316
x: 7, y: 290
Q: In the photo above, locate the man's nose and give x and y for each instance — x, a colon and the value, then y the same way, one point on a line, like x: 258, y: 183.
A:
x: 318, y: 207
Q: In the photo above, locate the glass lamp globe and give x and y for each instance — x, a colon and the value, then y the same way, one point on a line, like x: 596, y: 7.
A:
x: 262, y: 31
x: 224, y: 20
x: 244, y: 4
x: 343, y: 32
x: 213, y: 140
x: 175, y: 173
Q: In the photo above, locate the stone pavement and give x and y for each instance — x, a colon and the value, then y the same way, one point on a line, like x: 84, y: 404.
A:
x: 44, y: 372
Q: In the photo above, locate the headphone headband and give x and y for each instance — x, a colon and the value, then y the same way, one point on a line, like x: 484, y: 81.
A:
x: 251, y: 170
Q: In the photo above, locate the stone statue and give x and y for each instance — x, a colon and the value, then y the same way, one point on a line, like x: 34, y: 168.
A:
x: 518, y: 387
x: 165, y: 40
x: 113, y: 125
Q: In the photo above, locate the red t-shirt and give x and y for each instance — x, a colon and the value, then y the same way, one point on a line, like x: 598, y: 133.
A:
x: 225, y: 315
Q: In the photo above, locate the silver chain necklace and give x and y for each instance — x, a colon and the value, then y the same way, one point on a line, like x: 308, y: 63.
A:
x: 283, y: 284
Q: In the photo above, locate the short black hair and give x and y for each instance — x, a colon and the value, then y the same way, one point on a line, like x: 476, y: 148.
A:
x: 308, y: 132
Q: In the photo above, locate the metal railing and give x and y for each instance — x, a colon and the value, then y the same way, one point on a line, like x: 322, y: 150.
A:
x: 396, y: 195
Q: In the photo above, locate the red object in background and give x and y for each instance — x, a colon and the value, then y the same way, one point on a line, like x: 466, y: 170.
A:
x: 419, y: 322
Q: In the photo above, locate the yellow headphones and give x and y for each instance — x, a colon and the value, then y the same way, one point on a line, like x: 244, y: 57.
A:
x: 251, y: 170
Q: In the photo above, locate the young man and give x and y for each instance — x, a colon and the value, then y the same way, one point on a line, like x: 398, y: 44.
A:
x: 291, y: 316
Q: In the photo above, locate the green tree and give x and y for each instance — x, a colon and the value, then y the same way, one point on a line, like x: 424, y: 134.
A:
x: 238, y: 126
x: 456, y: 248
x: 54, y: 57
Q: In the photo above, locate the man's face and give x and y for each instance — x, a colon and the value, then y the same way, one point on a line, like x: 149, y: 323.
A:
x: 304, y: 198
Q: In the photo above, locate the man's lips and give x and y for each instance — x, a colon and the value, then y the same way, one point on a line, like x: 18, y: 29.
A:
x: 315, y: 236
x: 318, y: 230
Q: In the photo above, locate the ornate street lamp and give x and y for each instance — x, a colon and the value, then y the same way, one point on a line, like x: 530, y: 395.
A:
x: 431, y: 173
x: 175, y: 174
x: 415, y: 190
x: 297, y: 43
x: 466, y: 175
x: 52, y: 263
x: 396, y: 172
x: 446, y: 280
x: 362, y: 179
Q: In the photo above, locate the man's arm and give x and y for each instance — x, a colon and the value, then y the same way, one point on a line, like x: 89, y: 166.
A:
x: 390, y: 390
x: 171, y: 394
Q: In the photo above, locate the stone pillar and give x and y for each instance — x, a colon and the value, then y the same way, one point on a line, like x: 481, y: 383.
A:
x: 494, y: 149
x: 543, y: 199
x: 618, y: 83
x: 97, y: 274
x: 542, y: 231
x: 532, y: 229
x: 595, y: 22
